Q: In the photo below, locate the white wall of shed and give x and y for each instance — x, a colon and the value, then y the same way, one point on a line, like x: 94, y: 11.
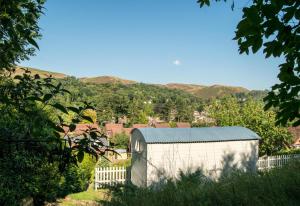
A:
x: 212, y: 157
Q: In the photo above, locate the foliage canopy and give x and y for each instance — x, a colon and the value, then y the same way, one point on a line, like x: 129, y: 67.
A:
x: 250, y: 114
x: 274, y: 25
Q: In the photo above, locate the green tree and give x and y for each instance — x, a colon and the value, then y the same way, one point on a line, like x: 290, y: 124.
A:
x: 274, y: 25
x: 230, y: 112
x: 19, y: 30
x: 120, y: 140
x: 33, y: 153
x: 32, y: 147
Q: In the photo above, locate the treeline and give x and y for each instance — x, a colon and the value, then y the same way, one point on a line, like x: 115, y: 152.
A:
x: 135, y: 101
x: 138, y: 101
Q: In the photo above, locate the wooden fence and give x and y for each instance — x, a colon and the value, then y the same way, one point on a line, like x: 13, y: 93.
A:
x: 105, y: 176
x: 269, y: 162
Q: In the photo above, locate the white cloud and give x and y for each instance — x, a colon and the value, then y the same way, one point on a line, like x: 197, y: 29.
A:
x: 177, y: 62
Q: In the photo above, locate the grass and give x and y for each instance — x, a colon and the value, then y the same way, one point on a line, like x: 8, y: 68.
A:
x: 89, y: 197
x: 277, y: 187
x: 280, y: 186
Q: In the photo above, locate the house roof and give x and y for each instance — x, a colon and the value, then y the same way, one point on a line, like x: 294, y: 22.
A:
x: 295, y: 131
x: 204, y: 134
x: 121, y: 151
x: 183, y: 124
x: 140, y: 125
x: 83, y: 128
x: 112, y: 126
x: 103, y: 140
x: 161, y: 125
x: 114, y: 129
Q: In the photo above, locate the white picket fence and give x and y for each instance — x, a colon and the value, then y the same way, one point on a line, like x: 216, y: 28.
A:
x: 269, y: 162
x: 110, y: 176
x: 119, y: 175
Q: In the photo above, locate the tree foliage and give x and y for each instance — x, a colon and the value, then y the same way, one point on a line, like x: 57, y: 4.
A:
x: 274, y: 26
x: 120, y: 141
x: 136, y: 101
x: 31, y: 131
x: 230, y: 112
x: 19, y: 30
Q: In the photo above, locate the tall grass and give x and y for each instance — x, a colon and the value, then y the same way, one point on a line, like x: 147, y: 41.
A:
x: 277, y: 187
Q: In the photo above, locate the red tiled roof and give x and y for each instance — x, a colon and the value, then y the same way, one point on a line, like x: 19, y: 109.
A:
x: 161, y: 125
x: 140, y: 125
x: 295, y: 131
x: 82, y: 128
x: 113, y: 129
x: 183, y: 125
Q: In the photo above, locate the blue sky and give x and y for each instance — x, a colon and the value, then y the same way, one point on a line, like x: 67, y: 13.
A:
x: 151, y: 41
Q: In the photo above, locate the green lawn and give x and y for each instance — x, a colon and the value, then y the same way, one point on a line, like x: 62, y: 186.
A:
x: 82, y: 198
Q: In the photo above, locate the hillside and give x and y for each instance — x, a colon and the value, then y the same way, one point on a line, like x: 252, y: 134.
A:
x: 204, y: 92
x: 42, y: 73
x: 207, y: 92
x: 106, y: 80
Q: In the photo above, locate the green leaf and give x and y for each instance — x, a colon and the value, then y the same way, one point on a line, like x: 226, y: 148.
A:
x: 33, y: 42
x: 60, y: 107
x: 47, y: 97
x: 73, y: 109
x: 72, y: 127
x: 80, y: 156
x: 87, y: 118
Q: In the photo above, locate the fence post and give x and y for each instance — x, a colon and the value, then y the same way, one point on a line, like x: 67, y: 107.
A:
x: 96, y: 178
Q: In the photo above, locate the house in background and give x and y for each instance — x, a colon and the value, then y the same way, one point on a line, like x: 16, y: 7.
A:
x: 83, y: 128
x: 295, y: 131
x: 140, y: 125
x: 163, y: 152
x: 121, y: 154
x: 111, y: 129
x: 161, y: 125
x: 183, y: 125
x: 82, y: 132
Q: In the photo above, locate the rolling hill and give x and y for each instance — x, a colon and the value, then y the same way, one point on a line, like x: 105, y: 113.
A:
x: 205, y: 92
x: 42, y: 73
x: 106, y: 80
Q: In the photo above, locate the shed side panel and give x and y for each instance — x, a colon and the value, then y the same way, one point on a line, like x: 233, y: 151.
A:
x: 212, y: 157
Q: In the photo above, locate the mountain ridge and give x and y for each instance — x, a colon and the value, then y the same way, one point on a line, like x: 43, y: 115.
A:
x: 202, y: 91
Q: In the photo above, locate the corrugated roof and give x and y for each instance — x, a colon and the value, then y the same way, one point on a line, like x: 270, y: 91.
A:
x: 204, y: 134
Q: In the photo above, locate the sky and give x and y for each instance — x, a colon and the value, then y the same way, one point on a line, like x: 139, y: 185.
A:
x: 150, y: 41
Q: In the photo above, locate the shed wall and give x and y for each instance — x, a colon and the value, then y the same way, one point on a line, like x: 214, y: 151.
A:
x: 138, y: 161
x: 212, y: 157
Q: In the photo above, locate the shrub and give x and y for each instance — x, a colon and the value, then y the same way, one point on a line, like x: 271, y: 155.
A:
x: 120, y: 140
x: 77, y: 178
x: 276, y: 187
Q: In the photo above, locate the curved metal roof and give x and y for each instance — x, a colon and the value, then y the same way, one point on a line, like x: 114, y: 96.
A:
x: 204, y: 134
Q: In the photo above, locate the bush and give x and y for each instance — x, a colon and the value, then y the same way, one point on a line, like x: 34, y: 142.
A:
x: 288, y: 152
x: 77, y: 178
x: 120, y: 141
x: 277, y: 187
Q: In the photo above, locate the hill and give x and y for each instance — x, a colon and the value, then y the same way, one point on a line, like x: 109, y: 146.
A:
x: 106, y: 80
x: 42, y: 73
x: 207, y: 92
x: 204, y: 92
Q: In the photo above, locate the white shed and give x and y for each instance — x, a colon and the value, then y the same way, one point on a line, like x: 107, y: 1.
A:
x: 166, y: 151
